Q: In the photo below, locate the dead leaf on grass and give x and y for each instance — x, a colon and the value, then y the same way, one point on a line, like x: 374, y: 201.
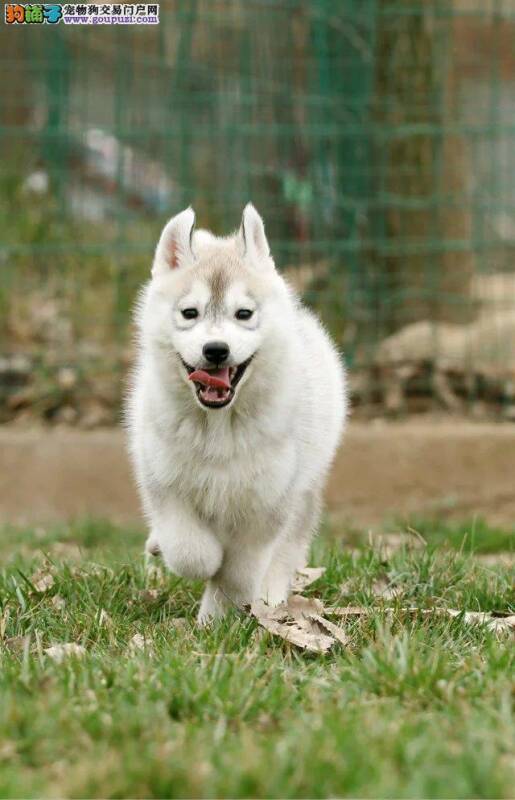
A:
x: 59, y: 652
x: 297, y: 632
x: 99, y: 570
x: 303, y: 621
x: 300, y: 606
x: 332, y: 629
x: 17, y: 644
x: 299, y: 621
x: 306, y: 576
x: 348, y: 611
x: 383, y: 588
x: 58, y: 602
x: 501, y: 623
x: 498, y: 623
x: 148, y: 595
x: 42, y: 580
x: 179, y: 623
x: 348, y: 586
x: 138, y: 644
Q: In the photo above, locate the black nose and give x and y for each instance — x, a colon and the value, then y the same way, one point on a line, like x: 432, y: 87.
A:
x: 215, y: 352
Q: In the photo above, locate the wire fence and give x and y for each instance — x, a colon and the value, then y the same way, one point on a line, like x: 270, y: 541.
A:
x: 377, y: 138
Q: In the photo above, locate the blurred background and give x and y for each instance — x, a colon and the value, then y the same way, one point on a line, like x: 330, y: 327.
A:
x: 377, y: 138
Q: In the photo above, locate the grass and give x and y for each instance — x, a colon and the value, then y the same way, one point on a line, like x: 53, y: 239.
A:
x: 413, y: 708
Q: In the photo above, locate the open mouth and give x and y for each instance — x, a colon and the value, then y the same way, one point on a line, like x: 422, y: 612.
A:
x: 215, y: 387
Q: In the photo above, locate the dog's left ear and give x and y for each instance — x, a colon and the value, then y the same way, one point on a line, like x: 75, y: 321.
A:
x: 253, y: 243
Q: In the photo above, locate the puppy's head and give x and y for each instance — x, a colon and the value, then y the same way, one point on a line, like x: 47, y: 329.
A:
x: 214, y: 303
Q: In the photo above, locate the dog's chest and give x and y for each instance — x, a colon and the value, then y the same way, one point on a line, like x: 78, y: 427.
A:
x: 232, y: 476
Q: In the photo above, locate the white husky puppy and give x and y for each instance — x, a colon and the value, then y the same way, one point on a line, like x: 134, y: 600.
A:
x: 235, y: 412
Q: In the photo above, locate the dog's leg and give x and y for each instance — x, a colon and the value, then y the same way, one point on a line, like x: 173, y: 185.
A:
x: 188, y: 547
x: 239, y: 580
x: 214, y: 603
x: 291, y: 551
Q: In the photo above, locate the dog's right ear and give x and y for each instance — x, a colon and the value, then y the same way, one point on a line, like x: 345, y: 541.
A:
x: 174, y: 249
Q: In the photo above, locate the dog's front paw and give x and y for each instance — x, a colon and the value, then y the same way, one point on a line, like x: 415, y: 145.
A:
x: 275, y: 587
x: 213, y: 605
x: 152, y: 547
x: 197, y: 558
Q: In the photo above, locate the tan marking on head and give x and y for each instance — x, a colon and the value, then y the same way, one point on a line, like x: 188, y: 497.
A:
x: 218, y: 284
x: 218, y: 266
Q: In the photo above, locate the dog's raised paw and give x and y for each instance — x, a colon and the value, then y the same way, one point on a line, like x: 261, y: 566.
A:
x: 199, y: 558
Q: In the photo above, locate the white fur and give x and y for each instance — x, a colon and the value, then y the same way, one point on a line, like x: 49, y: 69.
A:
x: 232, y: 495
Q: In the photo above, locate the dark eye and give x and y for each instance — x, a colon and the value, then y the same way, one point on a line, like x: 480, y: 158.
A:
x: 189, y: 313
x: 244, y: 313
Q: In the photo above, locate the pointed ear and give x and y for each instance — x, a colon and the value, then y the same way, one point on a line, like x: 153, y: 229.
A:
x: 253, y: 243
x: 174, y: 247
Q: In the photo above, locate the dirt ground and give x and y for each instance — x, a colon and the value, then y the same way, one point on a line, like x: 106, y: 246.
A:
x: 384, y: 471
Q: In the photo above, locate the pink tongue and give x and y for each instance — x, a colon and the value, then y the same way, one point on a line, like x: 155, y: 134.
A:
x: 217, y: 378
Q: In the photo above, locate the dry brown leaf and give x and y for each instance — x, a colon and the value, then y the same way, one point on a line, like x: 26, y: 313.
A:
x: 383, y: 588
x: 306, y: 576
x: 391, y: 592
x: 100, y: 570
x: 298, y: 632
x: 58, y: 602
x: 500, y: 624
x: 178, y: 622
x: 303, y: 620
x: 42, y: 580
x: 300, y: 622
x: 137, y: 642
x: 148, y: 595
x: 507, y: 616
x: 468, y: 616
x: 17, y: 644
x: 334, y: 630
x: 59, y: 652
x: 348, y: 611
x: 297, y: 605
x: 503, y: 624
x: 348, y: 586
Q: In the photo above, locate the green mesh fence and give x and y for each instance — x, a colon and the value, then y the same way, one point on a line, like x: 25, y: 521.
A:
x: 376, y: 137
